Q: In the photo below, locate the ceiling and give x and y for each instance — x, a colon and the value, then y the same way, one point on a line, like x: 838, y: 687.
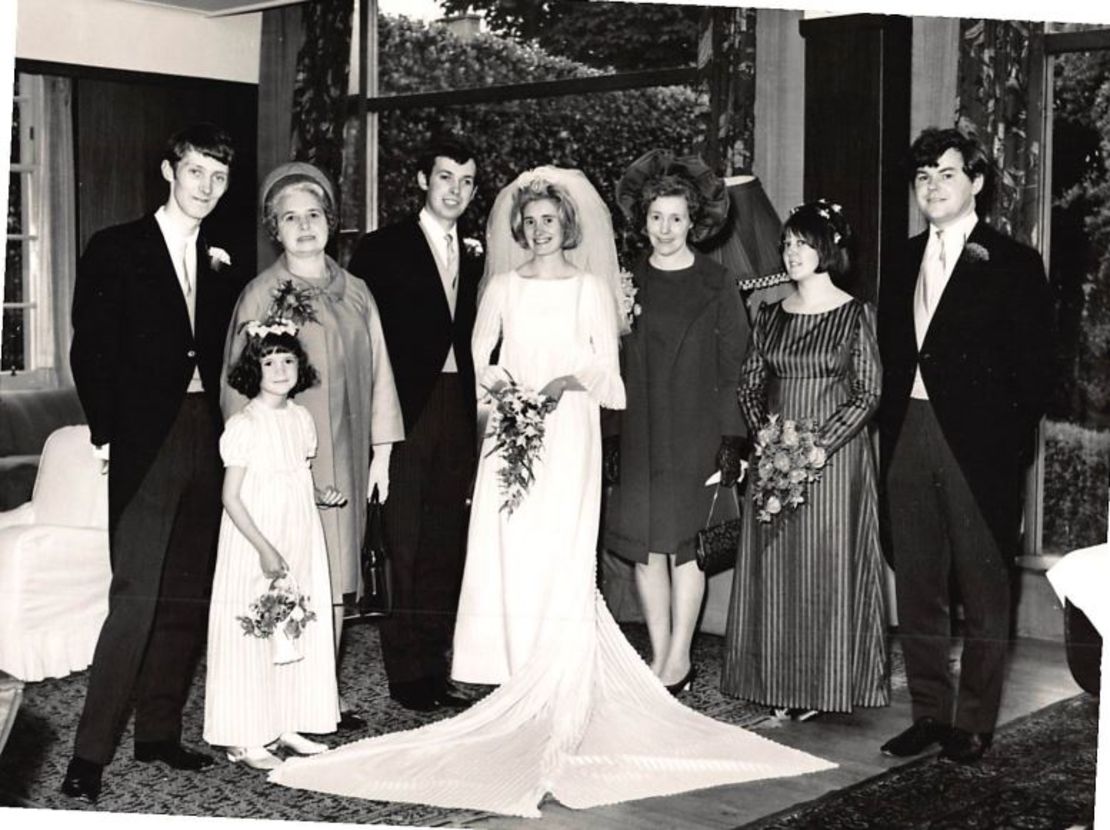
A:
x: 215, y: 8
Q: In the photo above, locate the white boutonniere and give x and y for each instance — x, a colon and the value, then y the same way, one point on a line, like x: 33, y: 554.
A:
x: 218, y: 258
x: 472, y: 246
x: 976, y: 252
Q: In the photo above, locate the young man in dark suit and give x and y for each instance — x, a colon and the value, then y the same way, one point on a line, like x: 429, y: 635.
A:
x: 150, y: 314
x: 425, y: 283
x: 965, y: 336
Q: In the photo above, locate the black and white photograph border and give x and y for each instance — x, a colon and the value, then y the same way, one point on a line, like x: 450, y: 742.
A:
x: 161, y: 37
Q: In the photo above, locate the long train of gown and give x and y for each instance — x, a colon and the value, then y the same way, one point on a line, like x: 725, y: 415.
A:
x: 581, y: 717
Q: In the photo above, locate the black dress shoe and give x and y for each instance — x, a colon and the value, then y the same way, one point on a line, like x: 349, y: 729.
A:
x: 923, y: 734
x: 350, y: 722
x: 172, y: 754
x: 445, y: 695
x: 966, y: 747
x: 82, y: 780
x: 685, y: 683
x: 415, y: 702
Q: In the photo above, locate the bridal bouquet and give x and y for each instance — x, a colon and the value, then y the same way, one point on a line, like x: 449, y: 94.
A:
x: 279, y: 615
x: 516, y: 424
x: 789, y: 459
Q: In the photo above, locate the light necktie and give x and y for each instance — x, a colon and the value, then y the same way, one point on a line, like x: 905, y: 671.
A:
x: 930, y: 285
x: 452, y: 261
x: 185, y: 270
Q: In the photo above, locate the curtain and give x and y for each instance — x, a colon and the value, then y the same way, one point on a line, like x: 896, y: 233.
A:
x: 320, y: 90
x: 302, y: 91
x: 993, y: 91
x: 58, y: 232
x: 726, y: 58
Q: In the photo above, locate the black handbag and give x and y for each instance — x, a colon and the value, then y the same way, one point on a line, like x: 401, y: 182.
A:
x: 717, y: 544
x: 377, y: 576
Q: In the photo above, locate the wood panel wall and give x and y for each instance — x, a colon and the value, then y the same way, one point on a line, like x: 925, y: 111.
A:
x: 857, y: 118
x: 121, y: 123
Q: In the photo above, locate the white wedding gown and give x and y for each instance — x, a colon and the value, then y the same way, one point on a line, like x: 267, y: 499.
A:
x: 578, y: 714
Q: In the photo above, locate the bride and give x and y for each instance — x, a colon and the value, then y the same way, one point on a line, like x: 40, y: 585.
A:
x: 578, y: 715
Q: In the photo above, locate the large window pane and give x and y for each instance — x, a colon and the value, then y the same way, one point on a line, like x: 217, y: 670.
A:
x: 15, y: 203
x: 1077, y: 432
x: 12, y: 348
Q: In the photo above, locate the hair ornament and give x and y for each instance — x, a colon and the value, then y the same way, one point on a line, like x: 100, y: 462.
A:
x: 259, y: 329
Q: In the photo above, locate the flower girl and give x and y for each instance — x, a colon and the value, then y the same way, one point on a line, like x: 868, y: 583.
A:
x: 271, y: 562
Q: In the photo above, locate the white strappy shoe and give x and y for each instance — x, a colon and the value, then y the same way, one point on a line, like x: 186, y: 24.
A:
x: 255, y: 757
x: 298, y: 743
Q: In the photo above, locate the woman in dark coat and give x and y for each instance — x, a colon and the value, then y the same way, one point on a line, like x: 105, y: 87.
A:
x: 681, y: 366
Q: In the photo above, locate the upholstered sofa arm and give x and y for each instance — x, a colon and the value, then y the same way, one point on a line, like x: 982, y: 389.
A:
x: 54, y: 583
x: 22, y: 515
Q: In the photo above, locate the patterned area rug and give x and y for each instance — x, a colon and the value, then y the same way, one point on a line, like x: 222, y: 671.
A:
x: 1039, y: 775
x: 34, y: 760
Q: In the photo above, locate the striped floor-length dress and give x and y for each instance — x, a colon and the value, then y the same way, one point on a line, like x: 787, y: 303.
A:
x: 806, y: 620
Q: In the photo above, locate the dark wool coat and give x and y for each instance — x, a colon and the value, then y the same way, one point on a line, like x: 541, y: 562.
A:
x: 701, y: 380
x: 987, y: 362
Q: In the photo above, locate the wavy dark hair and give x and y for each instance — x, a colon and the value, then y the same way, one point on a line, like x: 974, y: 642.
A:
x: 824, y: 229
x: 934, y: 142
x: 245, y: 376
x: 446, y: 146
x: 671, y: 185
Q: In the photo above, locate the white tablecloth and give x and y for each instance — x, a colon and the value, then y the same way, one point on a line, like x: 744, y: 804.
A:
x: 1083, y: 576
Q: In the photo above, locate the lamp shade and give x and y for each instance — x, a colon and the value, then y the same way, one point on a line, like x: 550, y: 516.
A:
x: 748, y: 246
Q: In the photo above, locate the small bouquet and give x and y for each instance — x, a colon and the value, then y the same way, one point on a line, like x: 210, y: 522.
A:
x: 279, y: 615
x: 789, y: 459
x: 630, y: 309
x: 517, y: 425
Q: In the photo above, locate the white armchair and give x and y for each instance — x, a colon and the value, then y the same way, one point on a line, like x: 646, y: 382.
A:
x: 54, y: 565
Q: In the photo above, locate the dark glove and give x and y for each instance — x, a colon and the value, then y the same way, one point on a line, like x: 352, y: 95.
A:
x: 611, y: 460
x: 733, y: 448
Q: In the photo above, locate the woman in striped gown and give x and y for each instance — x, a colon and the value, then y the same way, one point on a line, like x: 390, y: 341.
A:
x: 805, y: 625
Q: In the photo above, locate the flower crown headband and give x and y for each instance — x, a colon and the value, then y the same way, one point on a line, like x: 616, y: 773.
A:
x: 258, y: 329
x: 831, y: 212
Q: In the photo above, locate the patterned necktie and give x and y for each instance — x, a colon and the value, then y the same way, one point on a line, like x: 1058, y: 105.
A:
x: 452, y: 261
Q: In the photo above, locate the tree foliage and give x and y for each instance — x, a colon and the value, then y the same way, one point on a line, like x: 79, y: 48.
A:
x: 622, y: 36
x: 599, y: 134
x: 1081, y: 235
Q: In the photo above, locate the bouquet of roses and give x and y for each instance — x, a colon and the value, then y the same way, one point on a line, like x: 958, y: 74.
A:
x: 279, y: 615
x: 630, y: 309
x: 789, y: 459
x: 516, y: 424
x: 282, y: 605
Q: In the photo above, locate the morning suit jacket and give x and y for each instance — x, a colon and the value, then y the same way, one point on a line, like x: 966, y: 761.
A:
x: 399, y: 267
x: 133, y: 351
x: 987, y: 363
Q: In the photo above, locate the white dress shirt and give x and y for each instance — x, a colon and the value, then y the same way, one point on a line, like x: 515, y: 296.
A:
x: 437, y: 236
x: 183, y: 253
x: 955, y: 237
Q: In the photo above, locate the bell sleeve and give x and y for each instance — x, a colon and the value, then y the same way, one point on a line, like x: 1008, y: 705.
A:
x: 386, y: 422
x: 487, y: 331
x: 865, y: 385
x: 600, y: 371
x: 731, y: 341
